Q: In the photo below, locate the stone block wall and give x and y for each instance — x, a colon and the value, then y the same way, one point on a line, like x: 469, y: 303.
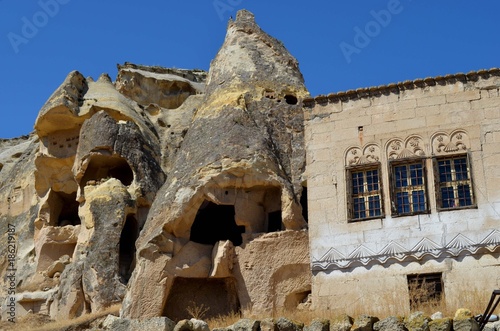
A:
x: 400, y: 124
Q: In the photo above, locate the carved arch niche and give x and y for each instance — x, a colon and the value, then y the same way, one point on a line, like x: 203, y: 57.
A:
x: 370, y: 153
x: 445, y: 144
x: 412, y: 146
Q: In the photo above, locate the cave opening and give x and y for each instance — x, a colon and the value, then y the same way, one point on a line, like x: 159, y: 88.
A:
x: 103, y: 167
x: 291, y: 99
x: 274, y: 222
x: 128, y: 237
x: 303, y: 203
x: 215, y: 223
x: 63, y: 209
x: 217, y: 295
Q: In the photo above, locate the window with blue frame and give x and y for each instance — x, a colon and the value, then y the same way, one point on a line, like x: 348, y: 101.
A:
x: 409, y: 192
x: 454, y: 182
x: 365, y: 199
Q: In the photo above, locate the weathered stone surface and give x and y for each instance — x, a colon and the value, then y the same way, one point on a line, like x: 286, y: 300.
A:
x: 492, y: 326
x: 464, y: 321
x: 152, y: 324
x: 61, y: 111
x: 223, y: 257
x: 417, y: 322
x: 199, y: 325
x: 184, y: 325
x: 246, y: 324
x: 341, y: 323
x: 268, y: 324
x: 286, y: 272
x: 166, y: 88
x: 284, y: 324
x: 437, y: 315
x: 18, y: 208
x: 57, y: 266
x: 391, y: 323
x: 108, y: 321
x: 69, y: 300
x: 364, y: 323
x: 252, y: 158
x: 443, y: 324
x: 317, y: 325
x: 465, y: 324
x: 52, y: 243
x: 463, y: 313
x: 111, y: 148
x: 105, y: 211
x: 101, y: 152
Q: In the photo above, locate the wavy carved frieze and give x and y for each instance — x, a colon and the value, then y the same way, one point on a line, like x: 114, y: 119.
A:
x: 395, y: 252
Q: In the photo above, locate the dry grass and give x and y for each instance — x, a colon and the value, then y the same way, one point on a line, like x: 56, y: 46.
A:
x: 223, y: 321
x: 30, y: 323
x: 197, y: 311
x: 393, y: 305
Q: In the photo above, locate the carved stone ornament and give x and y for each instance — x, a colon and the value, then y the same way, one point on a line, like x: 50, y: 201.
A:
x: 368, y: 154
x: 457, y: 142
x: 394, y: 252
x: 413, y: 146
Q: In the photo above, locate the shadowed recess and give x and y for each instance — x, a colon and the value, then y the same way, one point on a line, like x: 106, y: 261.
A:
x: 214, y: 223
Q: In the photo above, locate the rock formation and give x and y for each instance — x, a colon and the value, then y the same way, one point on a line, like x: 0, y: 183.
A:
x: 162, y: 183
x: 236, y: 176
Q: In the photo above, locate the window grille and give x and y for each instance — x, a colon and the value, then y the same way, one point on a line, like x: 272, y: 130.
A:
x: 453, y: 182
x: 365, y: 193
x: 425, y: 290
x: 409, y: 191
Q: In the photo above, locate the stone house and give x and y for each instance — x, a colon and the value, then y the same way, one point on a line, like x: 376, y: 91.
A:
x: 403, y: 190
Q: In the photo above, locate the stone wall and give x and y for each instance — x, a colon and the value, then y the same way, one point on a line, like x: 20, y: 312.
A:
x: 402, y: 124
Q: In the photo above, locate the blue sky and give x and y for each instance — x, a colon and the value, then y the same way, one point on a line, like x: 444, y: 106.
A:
x: 340, y: 45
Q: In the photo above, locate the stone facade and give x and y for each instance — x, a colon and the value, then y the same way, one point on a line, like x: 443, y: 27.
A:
x: 403, y: 181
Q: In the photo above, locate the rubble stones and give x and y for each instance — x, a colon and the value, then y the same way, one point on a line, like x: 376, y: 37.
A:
x: 391, y: 323
x: 443, y: 324
x: 417, y: 322
x: 364, y: 323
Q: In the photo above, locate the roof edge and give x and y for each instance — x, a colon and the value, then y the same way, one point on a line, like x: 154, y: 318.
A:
x: 401, y: 86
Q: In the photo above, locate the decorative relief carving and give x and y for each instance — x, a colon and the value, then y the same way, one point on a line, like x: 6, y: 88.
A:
x: 357, y: 156
x: 363, y: 256
x: 457, y: 142
x: 413, y: 146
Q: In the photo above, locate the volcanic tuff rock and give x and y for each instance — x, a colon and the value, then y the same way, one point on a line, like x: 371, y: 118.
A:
x: 164, y: 182
x: 243, y: 148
